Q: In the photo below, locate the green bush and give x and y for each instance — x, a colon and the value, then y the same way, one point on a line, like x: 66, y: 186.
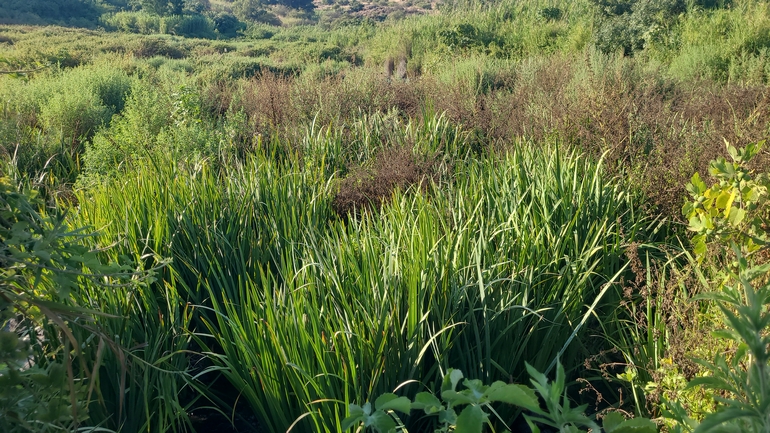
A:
x: 191, y: 26
x: 477, y: 401
x: 131, y: 135
x: 74, y: 115
x: 132, y: 22
x: 731, y: 216
x: 629, y: 25
x: 227, y: 24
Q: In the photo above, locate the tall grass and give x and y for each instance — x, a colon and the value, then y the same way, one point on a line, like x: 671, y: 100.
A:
x: 305, y: 312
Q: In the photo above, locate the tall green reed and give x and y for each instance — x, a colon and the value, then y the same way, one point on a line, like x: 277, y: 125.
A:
x: 305, y: 312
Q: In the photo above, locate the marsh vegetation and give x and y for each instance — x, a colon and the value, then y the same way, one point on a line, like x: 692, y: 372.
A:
x: 271, y: 214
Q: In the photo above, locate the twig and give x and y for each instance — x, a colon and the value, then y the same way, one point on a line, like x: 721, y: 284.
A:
x: 29, y: 71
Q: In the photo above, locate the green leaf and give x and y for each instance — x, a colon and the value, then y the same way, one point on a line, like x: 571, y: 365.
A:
x: 356, y: 417
x: 557, y: 386
x: 390, y: 401
x: 427, y: 402
x: 720, y: 417
x: 735, y: 216
x: 448, y: 416
x: 532, y: 426
x: 458, y: 398
x: 697, y: 186
x: 536, y: 375
x: 725, y: 199
x: 696, y: 223
x: 381, y: 421
x: 476, y: 388
x: 724, y: 334
x: 635, y: 425
x: 20, y: 231
x: 699, y: 245
x: 451, y: 380
x: 756, y: 271
x: 612, y: 420
x: 751, y: 150
x: 471, y: 420
x: 43, y: 255
x: 517, y: 395
x: 687, y: 209
x: 705, y: 381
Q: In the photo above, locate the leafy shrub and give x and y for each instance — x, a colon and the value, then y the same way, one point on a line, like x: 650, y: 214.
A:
x: 628, y: 25
x: 50, y: 281
x: 132, y: 22
x: 461, y: 36
x: 131, y: 134
x: 551, y: 13
x: 191, y: 26
x: 74, y: 115
x: 227, y: 24
x: 151, y: 47
x: 34, y: 393
x: 162, y: 7
x: 734, y: 212
x: 73, y: 104
x: 253, y: 11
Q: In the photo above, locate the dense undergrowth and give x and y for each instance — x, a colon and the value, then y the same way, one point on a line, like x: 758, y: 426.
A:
x: 286, y: 225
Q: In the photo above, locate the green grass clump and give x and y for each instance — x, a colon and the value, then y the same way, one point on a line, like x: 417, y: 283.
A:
x: 477, y: 274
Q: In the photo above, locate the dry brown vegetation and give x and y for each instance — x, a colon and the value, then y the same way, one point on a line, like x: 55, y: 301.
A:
x: 394, y: 168
x: 658, y: 131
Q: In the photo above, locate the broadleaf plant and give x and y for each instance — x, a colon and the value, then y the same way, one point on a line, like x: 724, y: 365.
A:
x: 733, y: 212
x: 474, y: 403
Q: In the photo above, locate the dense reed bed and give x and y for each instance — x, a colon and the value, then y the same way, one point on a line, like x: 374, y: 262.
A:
x: 305, y: 312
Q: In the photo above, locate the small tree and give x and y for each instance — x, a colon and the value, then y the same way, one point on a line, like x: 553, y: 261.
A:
x: 298, y: 4
x: 163, y: 7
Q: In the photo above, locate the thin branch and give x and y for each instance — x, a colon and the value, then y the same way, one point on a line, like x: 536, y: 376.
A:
x: 28, y: 71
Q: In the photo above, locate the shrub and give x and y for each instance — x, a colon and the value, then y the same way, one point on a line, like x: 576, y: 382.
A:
x: 151, y: 47
x: 191, y: 26
x: 628, y: 25
x: 477, y: 401
x: 732, y: 216
x: 66, y: 312
x: 75, y: 115
x: 131, y: 135
x: 75, y: 103
x: 227, y: 24
x: 132, y: 22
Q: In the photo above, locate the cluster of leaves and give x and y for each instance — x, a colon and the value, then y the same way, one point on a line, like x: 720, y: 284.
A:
x: 464, y: 36
x: 733, y: 211
x: 551, y: 13
x: 477, y: 400
x: 628, y: 25
x: 740, y: 381
x: 41, y: 262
